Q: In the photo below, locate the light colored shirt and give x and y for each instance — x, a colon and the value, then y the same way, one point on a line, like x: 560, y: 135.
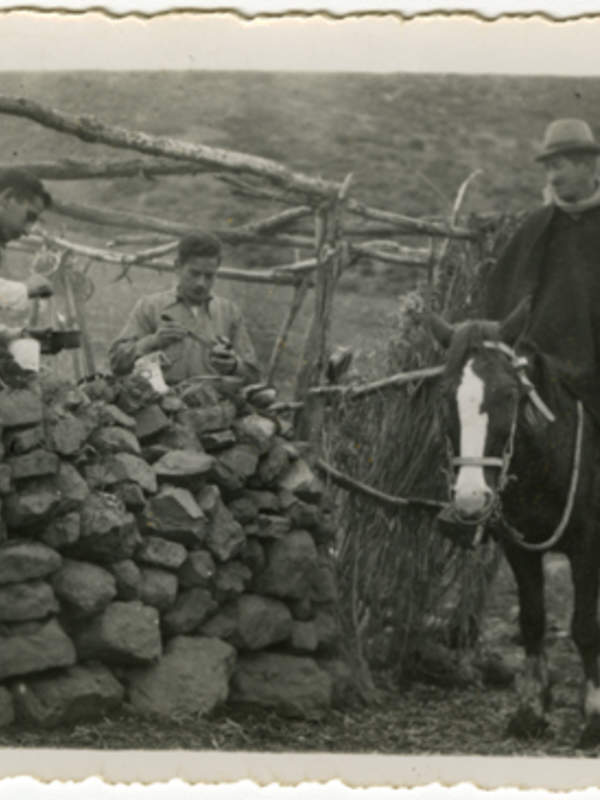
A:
x: 189, y: 357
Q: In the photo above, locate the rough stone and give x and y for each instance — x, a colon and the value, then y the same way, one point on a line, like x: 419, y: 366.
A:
x: 233, y: 467
x: 190, y: 680
x: 243, y: 509
x: 265, y: 501
x: 125, y: 633
x: 85, y: 589
x: 150, y: 421
x: 209, y: 498
x: 72, y: 488
x: 225, y: 536
x: 323, y: 585
x: 22, y: 441
x: 343, y: 681
x: 67, y: 435
x: 171, y: 404
x: 26, y: 600
x: 174, y: 514
x: 46, y: 647
x: 198, y: 569
x: 183, y: 466
x: 261, y: 622
x: 305, y: 515
x: 35, y: 464
x: 20, y: 407
x: 115, y: 439
x: 112, y: 415
x: 23, y: 560
x: 273, y: 465
x: 128, y: 579
x: 327, y: 629
x: 272, y: 526
x: 304, y: 636
x: 179, y: 437
x: 213, y: 418
x: 7, y: 709
x: 108, y: 531
x: 131, y: 495
x: 125, y: 467
x: 231, y: 579
x: 159, y: 588
x: 5, y: 479
x: 191, y: 608
x: 79, y: 693
x: 301, y: 480
x: 291, y: 685
x: 160, y: 552
x: 302, y: 609
x: 290, y: 566
x: 253, y: 555
x: 32, y: 505
x: 256, y: 430
x: 213, y: 441
x: 223, y: 625
x: 62, y: 531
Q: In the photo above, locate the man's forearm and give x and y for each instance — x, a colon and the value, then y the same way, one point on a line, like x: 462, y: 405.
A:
x: 124, y: 353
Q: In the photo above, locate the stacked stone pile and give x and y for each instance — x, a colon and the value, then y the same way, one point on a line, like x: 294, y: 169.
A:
x: 167, y: 551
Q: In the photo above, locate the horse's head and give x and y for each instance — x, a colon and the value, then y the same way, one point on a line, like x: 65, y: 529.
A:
x: 480, y: 391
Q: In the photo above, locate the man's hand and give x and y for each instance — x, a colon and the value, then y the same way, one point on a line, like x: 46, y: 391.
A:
x: 223, y: 357
x: 168, y: 333
x: 38, y: 286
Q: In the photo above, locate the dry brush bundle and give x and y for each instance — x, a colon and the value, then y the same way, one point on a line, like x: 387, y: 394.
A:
x: 400, y: 581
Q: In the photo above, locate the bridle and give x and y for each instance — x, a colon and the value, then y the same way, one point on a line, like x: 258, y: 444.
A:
x: 493, y: 511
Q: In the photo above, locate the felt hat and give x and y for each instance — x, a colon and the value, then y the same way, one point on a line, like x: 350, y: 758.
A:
x: 567, y: 136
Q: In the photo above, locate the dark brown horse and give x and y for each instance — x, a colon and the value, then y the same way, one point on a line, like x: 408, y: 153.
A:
x: 523, y: 457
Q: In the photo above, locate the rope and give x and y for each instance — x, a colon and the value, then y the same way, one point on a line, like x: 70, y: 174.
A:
x: 518, y: 537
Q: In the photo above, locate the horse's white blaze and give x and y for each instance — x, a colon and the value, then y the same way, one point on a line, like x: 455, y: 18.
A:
x: 592, y: 699
x: 470, y: 490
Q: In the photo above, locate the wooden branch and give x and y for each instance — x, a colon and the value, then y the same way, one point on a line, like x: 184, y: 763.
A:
x: 399, y: 379
x: 128, y: 219
x: 137, y: 238
x: 89, y: 129
x: 409, y: 225
x: 142, y: 260
x: 72, y: 169
x: 406, y: 256
x: 387, y: 499
x: 300, y: 292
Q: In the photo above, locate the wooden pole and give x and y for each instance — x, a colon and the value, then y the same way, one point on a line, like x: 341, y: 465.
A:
x: 409, y: 225
x: 300, y: 292
x: 80, y: 317
x: 90, y: 129
x: 69, y: 169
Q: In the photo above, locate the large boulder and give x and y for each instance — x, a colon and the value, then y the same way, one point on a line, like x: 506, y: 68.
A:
x: 125, y: 633
x: 190, y: 679
x: 45, y: 647
x: 301, y: 481
x: 24, y: 560
x: 27, y: 600
x: 85, y: 589
x: 256, y: 430
x: 231, y: 579
x: 115, y: 439
x: 108, y: 531
x: 79, y: 693
x: 62, y: 531
x: 128, y: 579
x: 20, y: 407
x: 32, y: 505
x: 291, y: 685
x: 191, y: 608
x: 36, y: 464
x: 232, y: 467
x: 251, y: 622
x: 273, y: 464
x: 7, y: 709
x: 72, y: 488
x: 22, y: 441
x: 290, y: 566
x: 67, y: 435
x: 128, y: 468
x: 197, y: 570
x: 150, y: 421
x: 174, y: 514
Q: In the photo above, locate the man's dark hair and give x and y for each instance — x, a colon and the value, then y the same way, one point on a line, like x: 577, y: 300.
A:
x: 24, y: 185
x: 204, y: 245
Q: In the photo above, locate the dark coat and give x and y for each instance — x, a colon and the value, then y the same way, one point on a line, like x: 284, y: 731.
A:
x: 555, y: 258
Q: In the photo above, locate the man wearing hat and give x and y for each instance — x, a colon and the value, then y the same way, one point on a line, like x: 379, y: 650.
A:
x: 198, y: 332
x: 554, y: 257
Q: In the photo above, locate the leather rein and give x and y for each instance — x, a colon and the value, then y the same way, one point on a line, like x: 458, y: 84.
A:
x: 494, y: 510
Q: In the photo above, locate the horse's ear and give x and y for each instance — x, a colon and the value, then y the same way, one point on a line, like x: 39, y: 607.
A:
x: 442, y: 331
x: 513, y: 325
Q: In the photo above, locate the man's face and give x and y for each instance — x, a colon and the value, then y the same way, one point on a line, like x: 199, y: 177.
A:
x: 18, y: 214
x: 573, y: 177
x: 196, y: 278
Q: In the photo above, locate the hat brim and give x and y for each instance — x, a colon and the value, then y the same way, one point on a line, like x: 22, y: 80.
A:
x: 592, y: 148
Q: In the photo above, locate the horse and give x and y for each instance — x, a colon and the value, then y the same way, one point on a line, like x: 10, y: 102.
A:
x: 523, y: 454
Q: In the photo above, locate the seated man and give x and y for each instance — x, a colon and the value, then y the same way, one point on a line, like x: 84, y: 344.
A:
x: 198, y: 332
x: 22, y: 199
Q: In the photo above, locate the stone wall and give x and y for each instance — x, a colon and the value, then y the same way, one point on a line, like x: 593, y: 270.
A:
x: 170, y: 551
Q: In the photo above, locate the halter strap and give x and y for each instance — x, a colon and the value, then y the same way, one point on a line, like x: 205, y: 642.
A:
x: 477, y: 461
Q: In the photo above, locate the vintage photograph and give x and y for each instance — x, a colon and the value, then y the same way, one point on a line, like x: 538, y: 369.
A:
x: 299, y: 387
